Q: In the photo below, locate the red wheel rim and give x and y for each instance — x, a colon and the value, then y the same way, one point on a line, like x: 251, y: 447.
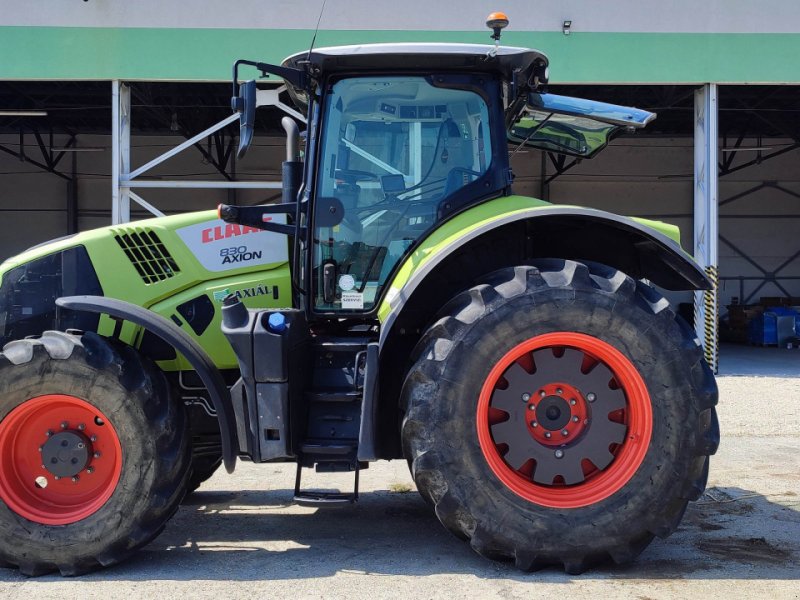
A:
x: 81, y: 450
x: 591, y: 400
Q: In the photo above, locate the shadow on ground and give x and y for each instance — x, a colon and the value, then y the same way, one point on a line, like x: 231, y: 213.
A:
x: 730, y: 533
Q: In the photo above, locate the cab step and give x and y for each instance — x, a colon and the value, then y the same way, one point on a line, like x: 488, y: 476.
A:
x: 320, y: 499
x: 333, y: 396
x: 328, y: 449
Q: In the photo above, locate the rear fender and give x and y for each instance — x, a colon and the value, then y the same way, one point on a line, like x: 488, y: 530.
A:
x: 633, y: 246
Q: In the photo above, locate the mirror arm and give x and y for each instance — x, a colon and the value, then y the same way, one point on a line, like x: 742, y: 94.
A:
x: 295, y: 77
x: 256, y: 216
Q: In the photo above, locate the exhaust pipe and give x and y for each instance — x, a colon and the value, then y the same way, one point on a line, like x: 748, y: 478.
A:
x: 292, y: 168
x: 292, y: 139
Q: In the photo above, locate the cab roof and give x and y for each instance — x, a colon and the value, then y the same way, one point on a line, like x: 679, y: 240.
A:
x: 426, y: 57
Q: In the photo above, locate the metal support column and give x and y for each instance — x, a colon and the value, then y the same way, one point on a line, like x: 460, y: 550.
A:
x: 120, y: 151
x: 123, y: 179
x: 72, y: 198
x: 706, y: 230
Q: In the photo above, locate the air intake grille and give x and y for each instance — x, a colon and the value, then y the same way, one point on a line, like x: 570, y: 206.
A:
x: 149, y: 256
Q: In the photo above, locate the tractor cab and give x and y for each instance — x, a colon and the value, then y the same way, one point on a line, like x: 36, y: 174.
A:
x: 401, y: 137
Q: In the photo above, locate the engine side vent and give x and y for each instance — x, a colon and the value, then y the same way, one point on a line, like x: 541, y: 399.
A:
x: 148, y: 254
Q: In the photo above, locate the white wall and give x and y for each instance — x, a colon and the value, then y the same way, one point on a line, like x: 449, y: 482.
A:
x: 679, y: 16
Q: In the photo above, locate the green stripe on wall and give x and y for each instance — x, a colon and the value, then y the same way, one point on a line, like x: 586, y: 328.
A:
x: 207, y: 54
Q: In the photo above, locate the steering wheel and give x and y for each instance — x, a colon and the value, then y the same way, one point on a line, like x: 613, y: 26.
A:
x: 352, y: 176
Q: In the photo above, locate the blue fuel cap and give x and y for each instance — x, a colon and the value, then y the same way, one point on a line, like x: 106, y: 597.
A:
x: 277, y: 322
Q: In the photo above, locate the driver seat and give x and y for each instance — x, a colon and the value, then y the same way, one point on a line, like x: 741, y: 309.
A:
x: 454, y: 156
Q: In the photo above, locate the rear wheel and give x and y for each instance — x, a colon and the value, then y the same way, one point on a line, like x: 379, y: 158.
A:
x: 94, y: 453
x: 568, y: 400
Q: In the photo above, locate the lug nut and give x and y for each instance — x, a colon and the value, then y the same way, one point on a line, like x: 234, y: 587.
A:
x: 97, y: 455
x: 531, y: 407
x: 41, y: 448
x: 526, y: 396
x: 48, y: 433
x: 57, y: 477
x: 559, y: 454
x: 93, y: 439
x: 81, y: 427
x: 75, y: 479
x: 534, y: 424
x: 591, y: 397
x: 90, y: 470
x: 542, y: 393
x: 572, y: 402
x: 575, y: 419
x: 547, y: 434
x: 64, y: 424
x: 564, y: 432
x: 559, y: 391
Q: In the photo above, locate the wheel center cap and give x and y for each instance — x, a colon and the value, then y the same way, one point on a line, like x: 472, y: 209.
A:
x: 553, y: 413
x: 67, y: 453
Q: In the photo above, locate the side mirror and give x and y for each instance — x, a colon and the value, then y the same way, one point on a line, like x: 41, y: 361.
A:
x: 245, y: 105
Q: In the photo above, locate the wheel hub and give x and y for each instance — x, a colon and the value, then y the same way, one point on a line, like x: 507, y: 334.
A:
x: 560, y: 414
x: 552, y: 413
x: 67, y: 453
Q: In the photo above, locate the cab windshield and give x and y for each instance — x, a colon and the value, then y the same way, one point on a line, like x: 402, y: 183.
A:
x: 392, y: 150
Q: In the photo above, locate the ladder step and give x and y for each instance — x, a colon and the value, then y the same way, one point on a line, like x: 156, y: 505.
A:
x: 324, y: 499
x: 338, y: 396
x: 341, y: 344
x: 328, y: 449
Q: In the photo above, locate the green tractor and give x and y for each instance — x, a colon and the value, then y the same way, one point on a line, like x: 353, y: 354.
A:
x: 400, y: 303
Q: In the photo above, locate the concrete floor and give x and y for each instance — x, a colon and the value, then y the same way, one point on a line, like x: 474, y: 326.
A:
x: 765, y: 361
x: 240, y: 537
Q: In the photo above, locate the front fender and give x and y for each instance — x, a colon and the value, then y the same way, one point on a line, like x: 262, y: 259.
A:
x: 189, y: 348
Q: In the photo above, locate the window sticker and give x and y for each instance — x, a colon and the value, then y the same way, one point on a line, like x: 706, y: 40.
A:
x: 353, y: 300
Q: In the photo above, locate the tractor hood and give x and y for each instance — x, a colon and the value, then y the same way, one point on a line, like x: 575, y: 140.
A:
x: 143, y: 262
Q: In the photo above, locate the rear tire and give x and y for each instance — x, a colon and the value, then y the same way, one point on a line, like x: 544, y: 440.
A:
x: 119, y: 406
x: 476, y: 456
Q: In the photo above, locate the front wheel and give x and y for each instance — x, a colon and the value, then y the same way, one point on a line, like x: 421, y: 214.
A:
x: 559, y: 414
x: 94, y: 453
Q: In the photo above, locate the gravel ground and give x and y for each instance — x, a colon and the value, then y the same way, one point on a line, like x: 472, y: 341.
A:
x: 240, y: 537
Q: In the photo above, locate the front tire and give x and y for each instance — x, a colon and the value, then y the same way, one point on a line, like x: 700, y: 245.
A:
x: 205, y: 462
x: 94, y: 453
x: 559, y: 415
